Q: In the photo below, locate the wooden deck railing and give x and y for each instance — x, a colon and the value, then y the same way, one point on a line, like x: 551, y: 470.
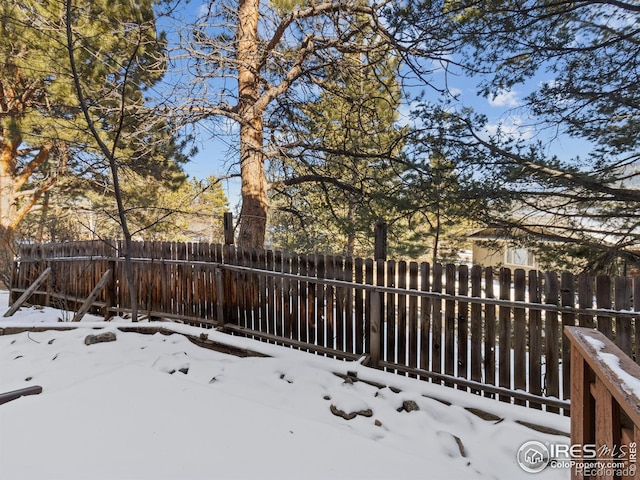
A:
x: 605, y: 407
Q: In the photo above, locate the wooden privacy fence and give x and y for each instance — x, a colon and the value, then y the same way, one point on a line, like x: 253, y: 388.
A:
x: 492, y: 332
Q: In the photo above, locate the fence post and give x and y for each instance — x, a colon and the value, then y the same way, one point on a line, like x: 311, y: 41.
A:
x: 220, y: 295
x: 228, y: 228
x: 229, y: 284
x: 380, y: 248
x: 374, y: 329
x: 110, y: 294
x: 582, y: 402
x: 374, y: 335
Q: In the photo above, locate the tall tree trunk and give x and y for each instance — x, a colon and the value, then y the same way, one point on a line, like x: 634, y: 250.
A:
x: 8, y: 210
x: 8, y: 251
x: 253, y: 214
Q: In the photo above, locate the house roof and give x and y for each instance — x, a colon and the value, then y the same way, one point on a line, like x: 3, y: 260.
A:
x: 506, y: 234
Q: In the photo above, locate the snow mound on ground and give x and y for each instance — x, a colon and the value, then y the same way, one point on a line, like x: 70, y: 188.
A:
x: 114, y: 411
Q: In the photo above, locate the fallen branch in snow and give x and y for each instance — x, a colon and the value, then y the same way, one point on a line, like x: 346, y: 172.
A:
x: 15, y: 394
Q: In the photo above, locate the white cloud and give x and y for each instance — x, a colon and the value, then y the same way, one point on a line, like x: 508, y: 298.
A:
x: 404, y: 114
x: 513, y: 127
x: 504, y: 98
x: 203, y: 9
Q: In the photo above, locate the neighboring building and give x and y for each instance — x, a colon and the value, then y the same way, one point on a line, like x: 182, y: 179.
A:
x: 516, y: 248
x: 493, y: 247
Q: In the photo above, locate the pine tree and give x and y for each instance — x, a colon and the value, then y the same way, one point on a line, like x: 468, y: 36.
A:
x: 253, y: 58
x: 577, y: 64
x: 44, y: 133
x: 340, y: 180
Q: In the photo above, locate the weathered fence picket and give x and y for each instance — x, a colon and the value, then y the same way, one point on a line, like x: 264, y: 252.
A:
x: 504, y: 333
x: 536, y: 356
x: 552, y: 337
x: 491, y: 333
x: 412, y: 359
x: 476, y: 325
x: 449, y: 321
x: 425, y: 318
x: 519, y: 334
x: 463, y: 323
x: 436, y: 322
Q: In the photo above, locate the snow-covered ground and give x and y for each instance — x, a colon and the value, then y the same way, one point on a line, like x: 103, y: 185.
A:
x: 158, y: 407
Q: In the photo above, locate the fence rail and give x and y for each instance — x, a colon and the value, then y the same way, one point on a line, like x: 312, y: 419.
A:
x: 492, y: 332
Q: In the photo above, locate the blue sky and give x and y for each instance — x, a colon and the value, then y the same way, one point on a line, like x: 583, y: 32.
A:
x: 215, y: 155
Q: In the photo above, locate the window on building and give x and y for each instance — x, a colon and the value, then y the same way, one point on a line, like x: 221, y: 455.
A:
x: 519, y: 256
